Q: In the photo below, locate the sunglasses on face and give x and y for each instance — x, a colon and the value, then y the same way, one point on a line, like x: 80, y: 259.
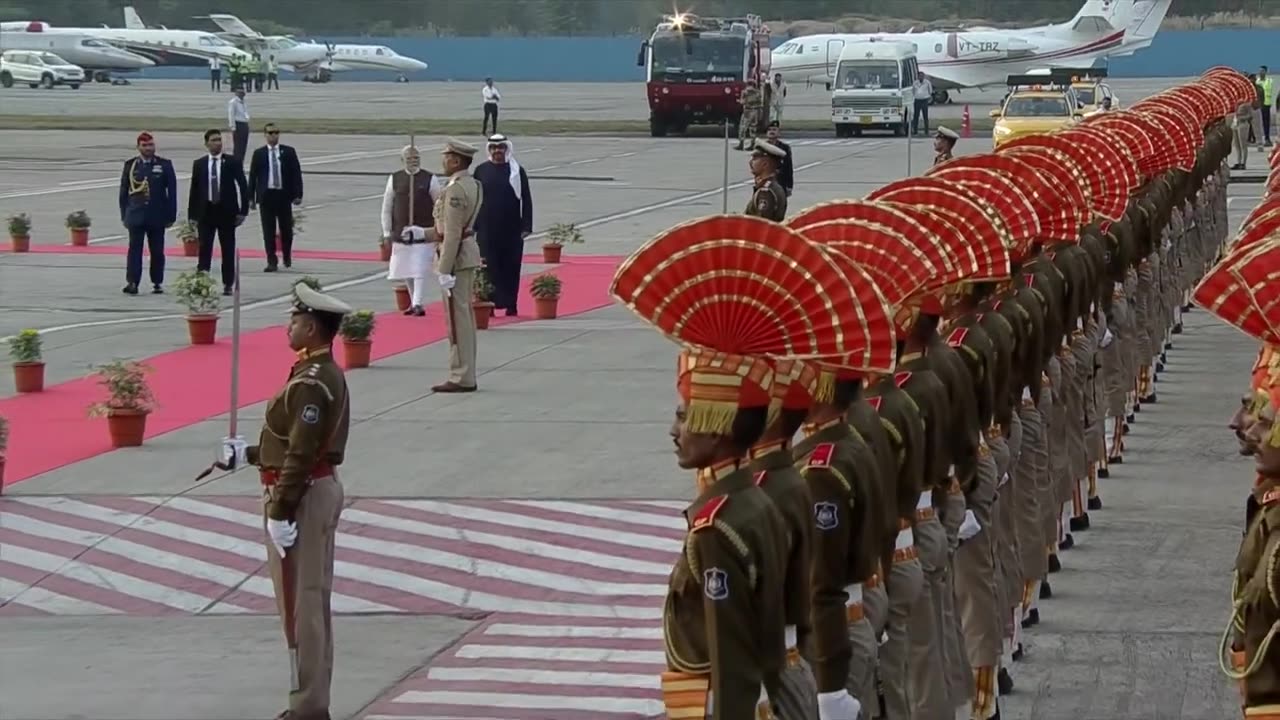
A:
x: 273, y: 132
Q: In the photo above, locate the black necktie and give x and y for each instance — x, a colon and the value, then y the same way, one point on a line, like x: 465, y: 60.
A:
x: 215, y: 183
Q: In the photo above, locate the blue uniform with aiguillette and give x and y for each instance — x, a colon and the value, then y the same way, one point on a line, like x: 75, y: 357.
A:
x: 148, y: 205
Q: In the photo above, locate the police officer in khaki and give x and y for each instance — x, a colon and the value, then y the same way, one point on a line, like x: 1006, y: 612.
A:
x: 768, y: 197
x: 457, y: 258
x: 302, y: 442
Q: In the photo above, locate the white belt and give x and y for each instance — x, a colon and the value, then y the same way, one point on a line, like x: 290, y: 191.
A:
x: 1003, y: 479
x: 951, y: 472
x: 904, y: 540
x: 1026, y: 393
x: 791, y: 636
x: 855, y: 593
x: 926, y: 500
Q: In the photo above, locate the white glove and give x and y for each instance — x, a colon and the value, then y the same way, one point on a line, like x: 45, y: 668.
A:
x: 413, y: 232
x: 447, y: 281
x: 839, y: 705
x: 1107, y: 337
x: 970, y: 526
x: 234, y: 452
x: 283, y: 533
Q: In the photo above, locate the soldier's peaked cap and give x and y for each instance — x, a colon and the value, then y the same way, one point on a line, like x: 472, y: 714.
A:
x: 309, y: 300
x: 946, y: 132
x: 766, y: 148
x: 457, y: 147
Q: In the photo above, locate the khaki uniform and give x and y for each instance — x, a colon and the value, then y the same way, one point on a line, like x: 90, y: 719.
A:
x: 752, y: 102
x: 303, y: 440
x: 868, y: 425
x: 459, y: 255
x: 1256, y: 596
x: 839, y: 470
x: 768, y: 200
x: 793, y: 694
x: 724, y: 614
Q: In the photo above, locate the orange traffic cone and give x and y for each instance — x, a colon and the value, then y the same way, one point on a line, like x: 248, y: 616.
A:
x: 966, y: 129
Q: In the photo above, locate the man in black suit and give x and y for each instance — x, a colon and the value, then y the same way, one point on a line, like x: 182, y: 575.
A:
x: 275, y: 186
x: 786, y: 168
x: 218, y: 203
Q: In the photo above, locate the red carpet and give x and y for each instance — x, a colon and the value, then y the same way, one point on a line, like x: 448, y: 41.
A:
x: 51, y: 429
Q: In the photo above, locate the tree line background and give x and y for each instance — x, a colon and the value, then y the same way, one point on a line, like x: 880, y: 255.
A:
x: 588, y: 17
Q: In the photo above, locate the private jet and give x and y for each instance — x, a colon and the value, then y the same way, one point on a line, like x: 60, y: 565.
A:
x: 181, y: 48
x: 981, y: 58
x: 98, y: 57
x: 288, y: 52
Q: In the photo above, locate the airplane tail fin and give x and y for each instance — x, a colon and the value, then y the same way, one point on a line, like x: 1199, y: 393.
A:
x: 132, y: 20
x: 1102, y: 16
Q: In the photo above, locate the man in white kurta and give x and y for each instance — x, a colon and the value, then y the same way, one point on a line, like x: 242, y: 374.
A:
x: 407, y: 206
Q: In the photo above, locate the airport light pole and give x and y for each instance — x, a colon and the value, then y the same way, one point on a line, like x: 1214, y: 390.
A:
x: 724, y: 193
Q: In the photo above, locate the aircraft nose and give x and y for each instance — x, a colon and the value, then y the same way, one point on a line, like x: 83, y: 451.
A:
x: 414, y: 64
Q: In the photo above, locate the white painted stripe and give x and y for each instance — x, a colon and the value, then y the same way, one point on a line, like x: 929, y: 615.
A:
x: 345, y: 604
x: 569, y: 654
x: 601, y: 705
x: 525, y: 547
x: 623, y: 155
x: 574, y: 631
x: 106, y: 579
x: 429, y: 717
x: 100, y: 513
x: 531, y: 523
x: 677, y: 505
x: 669, y: 522
x: 831, y: 142
x: 546, y: 677
x: 588, y: 161
x: 9, y: 589
x: 57, y: 604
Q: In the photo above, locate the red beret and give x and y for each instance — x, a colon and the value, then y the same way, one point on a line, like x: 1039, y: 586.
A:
x: 145, y: 137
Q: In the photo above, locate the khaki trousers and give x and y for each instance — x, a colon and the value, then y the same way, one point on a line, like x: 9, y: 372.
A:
x: 906, y: 592
x: 981, y: 615
x: 311, y: 569
x: 861, y: 682
x: 1033, y: 461
x: 462, y: 329
x: 927, y: 671
x: 956, y: 664
x: 797, y: 695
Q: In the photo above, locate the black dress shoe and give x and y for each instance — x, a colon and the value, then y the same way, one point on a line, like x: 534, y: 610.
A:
x: 1150, y: 399
x: 226, y: 291
x: 1004, y: 683
x: 1067, y: 543
x: 511, y: 312
x: 157, y: 290
x: 288, y: 263
x: 1055, y: 565
x: 453, y: 387
x: 1095, y: 502
x: 130, y: 289
x: 269, y: 268
x: 1177, y: 329
x: 1080, y: 524
x: 1019, y: 653
x: 1033, y: 617
x: 1128, y: 429
x: 1103, y: 473
x: 417, y: 311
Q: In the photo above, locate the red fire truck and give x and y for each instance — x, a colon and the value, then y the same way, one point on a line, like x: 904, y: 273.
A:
x: 696, y: 69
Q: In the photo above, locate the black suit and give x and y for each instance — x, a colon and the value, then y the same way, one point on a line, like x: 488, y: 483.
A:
x: 220, y: 217
x: 786, y: 168
x: 275, y: 207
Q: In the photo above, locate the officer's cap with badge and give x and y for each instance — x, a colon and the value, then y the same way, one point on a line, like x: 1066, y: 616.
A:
x: 459, y: 148
x: 326, y: 309
x: 948, y: 134
x: 769, y: 150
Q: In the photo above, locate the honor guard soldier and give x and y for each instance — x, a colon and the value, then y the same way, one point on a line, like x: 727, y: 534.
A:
x: 944, y: 141
x: 457, y: 259
x: 303, y: 440
x: 768, y: 197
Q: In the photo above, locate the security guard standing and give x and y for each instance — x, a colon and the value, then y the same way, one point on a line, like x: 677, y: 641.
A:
x: 752, y: 103
x: 768, y: 197
x: 303, y: 440
x: 457, y: 257
x: 944, y: 142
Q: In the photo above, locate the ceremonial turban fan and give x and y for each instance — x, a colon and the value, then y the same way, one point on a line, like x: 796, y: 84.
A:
x: 890, y: 246
x: 1239, y: 89
x: 1180, y: 129
x: 1146, y: 139
x: 1257, y: 268
x: 1122, y: 163
x: 1223, y: 294
x: 1065, y: 178
x: 736, y: 291
x: 1008, y: 195
x: 1263, y: 227
x: 1105, y: 196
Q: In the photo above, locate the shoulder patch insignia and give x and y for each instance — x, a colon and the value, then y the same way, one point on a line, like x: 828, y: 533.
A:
x: 901, y: 379
x: 455, y: 202
x: 311, y: 414
x: 957, y: 336
x: 997, y: 305
x: 1271, y: 496
x: 825, y: 516
x: 821, y: 456
x: 875, y: 402
x: 715, y: 583
x: 760, y: 476
x: 707, y: 514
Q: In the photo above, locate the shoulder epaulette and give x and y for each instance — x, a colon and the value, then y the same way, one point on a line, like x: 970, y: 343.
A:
x: 707, y: 515
x: 1031, y: 281
x: 997, y: 305
x: 876, y: 402
x: 760, y: 476
x: 821, y: 456
x: 901, y: 379
x: 1271, y: 496
x: 957, y: 336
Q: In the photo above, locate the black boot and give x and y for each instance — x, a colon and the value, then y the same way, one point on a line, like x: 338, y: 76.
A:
x: 1033, y: 618
x: 1067, y: 543
x: 1019, y: 654
x: 1095, y: 502
x: 1004, y: 682
x: 1080, y: 524
x: 1046, y: 593
x: 1055, y: 565
x: 1102, y: 473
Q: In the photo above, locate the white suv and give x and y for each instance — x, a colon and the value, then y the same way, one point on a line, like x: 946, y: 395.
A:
x: 38, y: 69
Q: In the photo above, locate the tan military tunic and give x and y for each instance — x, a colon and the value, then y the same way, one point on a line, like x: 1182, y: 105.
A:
x: 1256, y: 595
x: 459, y: 255
x: 768, y: 200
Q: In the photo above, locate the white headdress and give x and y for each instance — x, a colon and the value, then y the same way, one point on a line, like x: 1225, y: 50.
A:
x: 512, y: 164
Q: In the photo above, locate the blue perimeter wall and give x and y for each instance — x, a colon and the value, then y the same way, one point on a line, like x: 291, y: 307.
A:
x: 1174, y: 53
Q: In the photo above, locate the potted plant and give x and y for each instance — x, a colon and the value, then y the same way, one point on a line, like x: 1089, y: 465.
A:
x: 403, y: 299
x: 20, y: 232
x: 384, y: 250
x: 4, y: 444
x: 189, y: 234
x: 28, y: 368
x: 129, y: 401
x: 356, y: 329
x: 482, y: 299
x: 78, y: 223
x: 201, y: 296
x: 558, y: 236
x: 545, y: 290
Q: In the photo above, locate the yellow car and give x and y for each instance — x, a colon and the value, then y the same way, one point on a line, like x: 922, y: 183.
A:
x: 1034, y: 111
x: 1093, y: 95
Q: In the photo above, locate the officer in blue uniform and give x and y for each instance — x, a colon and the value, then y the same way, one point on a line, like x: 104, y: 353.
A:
x: 148, y: 205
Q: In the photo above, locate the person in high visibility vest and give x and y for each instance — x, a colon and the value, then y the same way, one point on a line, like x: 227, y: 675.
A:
x: 1267, y: 84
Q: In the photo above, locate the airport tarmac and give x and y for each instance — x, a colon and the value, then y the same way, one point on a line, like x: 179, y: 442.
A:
x: 437, y: 100
x: 121, y: 580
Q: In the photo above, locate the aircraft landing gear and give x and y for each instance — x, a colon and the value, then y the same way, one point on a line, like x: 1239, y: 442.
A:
x: 941, y: 97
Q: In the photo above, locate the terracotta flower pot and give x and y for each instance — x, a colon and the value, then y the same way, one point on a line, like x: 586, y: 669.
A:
x: 190, y: 249
x: 402, y: 298
x: 202, y: 329
x: 127, y: 427
x: 484, y: 312
x: 384, y: 252
x: 21, y: 243
x: 356, y: 353
x: 28, y: 376
x: 80, y: 237
x: 551, y: 253
x: 545, y: 308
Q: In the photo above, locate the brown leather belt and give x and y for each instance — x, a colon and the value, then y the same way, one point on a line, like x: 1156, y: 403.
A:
x: 270, y: 476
